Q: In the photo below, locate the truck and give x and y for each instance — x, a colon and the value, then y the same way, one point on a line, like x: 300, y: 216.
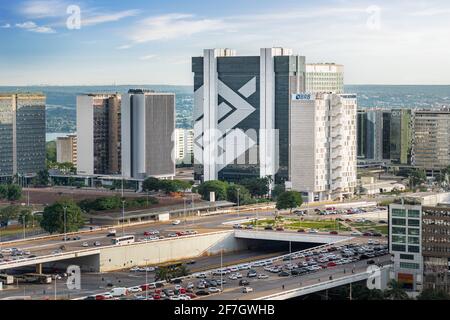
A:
x: 119, y: 292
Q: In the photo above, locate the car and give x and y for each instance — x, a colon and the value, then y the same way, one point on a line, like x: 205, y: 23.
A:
x: 172, y: 235
x: 313, y: 231
x: 191, y: 262
x: 201, y: 285
x: 247, y: 290
x: 268, y: 228
x: 237, y: 226
x: 202, y: 293
x: 85, y: 244
x: 354, y: 233
x: 97, y: 244
x: 252, y: 274
x: 331, y: 264
x: 176, y: 222
x: 283, y: 274
x: 119, y: 292
x: 377, y: 234
x: 333, y: 232
x: 221, y: 281
x: 232, y: 277
x: 214, y: 290
x: 135, y: 289
x: 301, y: 230
x: 280, y: 229
x: 371, y: 261
x: 367, y: 234
x: 56, y: 251
x: 111, y: 233
x: 244, y: 282
x: 262, y: 276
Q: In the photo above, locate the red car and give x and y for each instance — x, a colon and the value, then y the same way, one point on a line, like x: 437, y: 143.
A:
x: 191, y: 295
x: 156, y: 296
x: 280, y: 229
x: 100, y: 297
x: 333, y: 232
x: 146, y: 233
x: 331, y: 264
x: 367, y: 234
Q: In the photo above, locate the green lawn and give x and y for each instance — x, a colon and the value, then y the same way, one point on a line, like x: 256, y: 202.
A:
x: 366, y: 226
x: 322, y: 225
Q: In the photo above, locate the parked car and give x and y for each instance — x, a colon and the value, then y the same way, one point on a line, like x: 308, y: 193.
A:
x: 247, y: 290
x: 268, y: 228
x: 244, y: 282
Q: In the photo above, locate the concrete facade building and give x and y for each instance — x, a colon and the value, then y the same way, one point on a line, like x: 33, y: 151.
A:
x: 323, y: 145
x: 241, y: 113
x: 66, y: 149
x: 324, y: 77
x: 431, y: 139
x: 22, y: 134
x: 148, y: 125
x: 98, y: 134
x: 184, y: 146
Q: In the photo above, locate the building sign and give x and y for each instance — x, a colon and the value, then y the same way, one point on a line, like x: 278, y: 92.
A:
x: 406, y: 280
x: 303, y: 96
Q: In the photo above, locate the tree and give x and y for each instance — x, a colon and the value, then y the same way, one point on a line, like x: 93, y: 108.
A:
x: 151, y: 184
x: 53, y: 217
x: 25, y: 216
x: 219, y: 187
x: 8, y: 213
x: 257, y: 187
x: 162, y: 273
x: 417, y: 177
x: 3, y: 191
x: 51, y: 151
x: 244, y: 194
x: 395, y: 291
x: 430, y: 294
x: 42, y: 178
x: 277, y: 190
x: 14, y: 192
x: 289, y: 200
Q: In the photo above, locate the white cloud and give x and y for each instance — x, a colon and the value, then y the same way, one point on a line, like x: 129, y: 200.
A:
x: 5, y: 26
x: 148, y: 57
x: 37, y: 9
x: 33, y: 27
x: 172, y: 26
x: 110, y: 17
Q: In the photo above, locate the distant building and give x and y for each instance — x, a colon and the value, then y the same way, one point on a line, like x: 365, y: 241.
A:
x: 148, y: 125
x: 385, y: 135
x: 184, y: 146
x: 66, y: 149
x: 431, y: 139
x: 323, y: 145
x: 22, y: 134
x: 241, y: 113
x: 324, y: 77
x: 419, y: 241
x: 98, y: 134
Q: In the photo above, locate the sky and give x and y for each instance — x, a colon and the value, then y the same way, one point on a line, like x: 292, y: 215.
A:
x: 105, y: 42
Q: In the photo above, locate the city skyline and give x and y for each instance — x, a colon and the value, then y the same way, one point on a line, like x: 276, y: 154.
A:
x: 379, y: 42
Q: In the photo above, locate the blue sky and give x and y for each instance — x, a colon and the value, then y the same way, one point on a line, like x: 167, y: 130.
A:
x: 151, y: 41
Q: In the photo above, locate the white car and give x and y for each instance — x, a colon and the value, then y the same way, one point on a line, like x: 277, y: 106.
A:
x: 7, y: 250
x: 200, y: 276
x: 190, y: 285
x: 263, y: 276
x: 174, y: 298
x: 85, y: 244
x: 135, y: 289
x: 354, y: 233
x: 184, y: 297
x: 247, y: 290
x: 234, y: 269
x: 176, y: 222
x: 107, y: 295
x: 232, y: 277
x: 214, y: 290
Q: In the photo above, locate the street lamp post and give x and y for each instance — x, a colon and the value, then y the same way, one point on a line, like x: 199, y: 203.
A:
x: 65, y: 223
x: 123, y: 217
x: 146, y: 279
x: 24, y: 225
x: 238, y: 201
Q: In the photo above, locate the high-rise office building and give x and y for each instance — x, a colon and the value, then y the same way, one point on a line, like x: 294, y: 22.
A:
x: 385, y: 135
x: 66, y: 149
x: 324, y: 77
x: 431, y: 139
x: 98, y: 134
x: 323, y: 145
x: 148, y: 125
x: 184, y: 146
x: 22, y: 134
x: 241, y: 112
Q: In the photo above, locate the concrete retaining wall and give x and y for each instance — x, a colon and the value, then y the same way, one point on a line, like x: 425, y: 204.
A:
x: 157, y: 252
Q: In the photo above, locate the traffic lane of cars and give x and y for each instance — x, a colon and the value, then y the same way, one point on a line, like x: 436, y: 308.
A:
x: 207, y: 287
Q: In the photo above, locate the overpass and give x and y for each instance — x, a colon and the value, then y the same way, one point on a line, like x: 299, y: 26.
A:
x: 382, y: 273
x: 323, y: 238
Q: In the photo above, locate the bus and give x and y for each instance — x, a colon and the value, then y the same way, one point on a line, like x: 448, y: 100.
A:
x: 35, y: 278
x: 6, y: 279
x: 123, y: 240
